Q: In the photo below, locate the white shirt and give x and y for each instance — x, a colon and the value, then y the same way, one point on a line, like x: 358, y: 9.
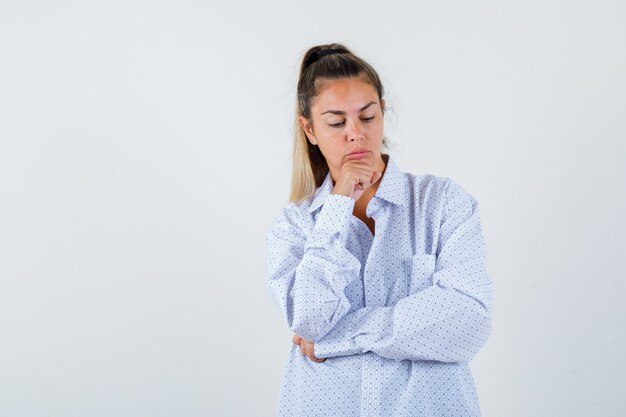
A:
x: 398, y: 315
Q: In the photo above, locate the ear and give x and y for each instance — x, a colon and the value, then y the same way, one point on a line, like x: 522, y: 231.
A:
x: 382, y: 105
x: 306, y: 125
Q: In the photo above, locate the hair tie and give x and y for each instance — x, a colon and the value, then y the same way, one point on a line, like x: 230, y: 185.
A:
x: 315, y: 56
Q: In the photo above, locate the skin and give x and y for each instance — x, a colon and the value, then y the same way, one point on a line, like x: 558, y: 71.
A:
x: 346, y: 117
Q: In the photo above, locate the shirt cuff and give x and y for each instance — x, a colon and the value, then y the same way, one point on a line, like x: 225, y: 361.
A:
x: 356, y: 333
x: 333, y: 218
x: 338, y: 342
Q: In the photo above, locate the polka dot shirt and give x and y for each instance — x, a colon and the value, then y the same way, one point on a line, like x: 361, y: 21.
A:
x: 397, y: 315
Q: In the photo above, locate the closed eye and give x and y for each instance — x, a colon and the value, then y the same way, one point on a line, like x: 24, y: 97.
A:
x: 339, y: 124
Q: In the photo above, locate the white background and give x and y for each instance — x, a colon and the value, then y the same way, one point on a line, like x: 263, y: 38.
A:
x: 145, y: 150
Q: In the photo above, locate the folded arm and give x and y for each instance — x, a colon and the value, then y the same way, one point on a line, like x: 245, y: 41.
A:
x: 308, y: 274
x: 448, y: 321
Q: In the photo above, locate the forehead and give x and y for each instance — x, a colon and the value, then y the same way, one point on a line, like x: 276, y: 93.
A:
x: 347, y: 94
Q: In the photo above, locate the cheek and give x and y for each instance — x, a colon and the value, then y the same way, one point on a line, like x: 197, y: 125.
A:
x: 331, y: 147
x: 376, y: 131
x: 330, y: 137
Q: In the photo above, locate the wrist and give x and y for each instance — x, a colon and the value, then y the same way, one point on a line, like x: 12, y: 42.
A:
x: 344, y: 191
x: 345, y: 194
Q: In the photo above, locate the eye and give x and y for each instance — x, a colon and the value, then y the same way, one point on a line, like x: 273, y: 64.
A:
x: 368, y: 119
x: 339, y: 124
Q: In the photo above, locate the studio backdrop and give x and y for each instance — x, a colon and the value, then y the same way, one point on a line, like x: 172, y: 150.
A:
x: 145, y: 149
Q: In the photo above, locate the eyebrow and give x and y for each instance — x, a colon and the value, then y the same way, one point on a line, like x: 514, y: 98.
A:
x: 343, y: 112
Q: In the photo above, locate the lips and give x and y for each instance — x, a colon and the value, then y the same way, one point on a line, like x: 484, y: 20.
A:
x: 357, y: 154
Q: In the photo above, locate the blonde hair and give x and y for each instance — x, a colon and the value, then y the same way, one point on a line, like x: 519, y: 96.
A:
x: 323, y: 62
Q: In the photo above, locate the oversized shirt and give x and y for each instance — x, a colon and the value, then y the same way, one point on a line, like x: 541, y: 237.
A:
x: 397, y: 315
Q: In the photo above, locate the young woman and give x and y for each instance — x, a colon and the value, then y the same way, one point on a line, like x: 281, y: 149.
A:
x: 379, y: 273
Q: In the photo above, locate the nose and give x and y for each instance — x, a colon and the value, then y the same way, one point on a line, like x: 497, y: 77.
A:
x: 355, y: 132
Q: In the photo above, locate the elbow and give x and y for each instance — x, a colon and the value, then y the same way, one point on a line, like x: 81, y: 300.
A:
x: 308, y: 325
x: 307, y: 328
x: 476, y: 337
x: 464, y: 335
x: 309, y: 310
x: 313, y: 322
x: 476, y: 323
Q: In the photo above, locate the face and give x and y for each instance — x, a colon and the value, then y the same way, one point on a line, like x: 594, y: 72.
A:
x: 346, y: 123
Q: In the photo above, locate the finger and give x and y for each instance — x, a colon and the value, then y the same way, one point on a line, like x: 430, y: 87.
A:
x: 376, y: 176
x: 360, y: 172
x: 306, y: 347
x: 296, y: 339
x: 316, y: 359
x: 310, y: 349
x: 364, y: 184
x: 313, y: 357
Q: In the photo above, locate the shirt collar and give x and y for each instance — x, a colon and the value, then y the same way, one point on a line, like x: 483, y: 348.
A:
x: 391, y: 187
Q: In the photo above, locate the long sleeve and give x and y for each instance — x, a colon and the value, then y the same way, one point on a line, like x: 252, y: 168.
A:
x: 308, y: 274
x: 448, y: 321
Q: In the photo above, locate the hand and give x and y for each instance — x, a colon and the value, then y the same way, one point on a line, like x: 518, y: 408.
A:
x: 306, y: 348
x: 355, y: 177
